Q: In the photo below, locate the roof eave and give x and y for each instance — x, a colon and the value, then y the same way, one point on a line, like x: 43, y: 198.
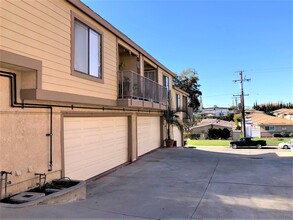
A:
x: 180, y: 90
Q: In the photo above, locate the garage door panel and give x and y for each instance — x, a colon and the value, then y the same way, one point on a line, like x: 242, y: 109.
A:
x: 93, y: 145
x: 148, y: 134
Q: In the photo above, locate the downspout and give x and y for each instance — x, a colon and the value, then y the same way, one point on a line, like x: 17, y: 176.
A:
x: 15, y: 104
x: 51, y: 141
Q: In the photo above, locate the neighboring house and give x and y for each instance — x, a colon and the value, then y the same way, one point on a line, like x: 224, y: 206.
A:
x: 284, y: 113
x: 78, y: 97
x: 215, y: 111
x: 259, y: 124
x: 207, y: 124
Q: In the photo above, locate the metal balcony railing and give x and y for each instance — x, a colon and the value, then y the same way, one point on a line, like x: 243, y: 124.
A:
x: 134, y: 86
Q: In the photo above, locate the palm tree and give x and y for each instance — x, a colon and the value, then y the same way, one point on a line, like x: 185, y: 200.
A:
x: 171, y: 118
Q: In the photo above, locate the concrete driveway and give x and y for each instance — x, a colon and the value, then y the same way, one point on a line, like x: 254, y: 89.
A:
x: 185, y: 183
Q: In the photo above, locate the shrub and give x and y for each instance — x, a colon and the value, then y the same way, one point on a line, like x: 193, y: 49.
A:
x: 291, y: 135
x: 225, y: 133
x: 192, y: 136
x: 283, y: 134
x: 218, y: 133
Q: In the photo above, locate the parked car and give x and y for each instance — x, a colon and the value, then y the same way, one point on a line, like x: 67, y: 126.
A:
x: 286, y: 145
x: 247, y: 142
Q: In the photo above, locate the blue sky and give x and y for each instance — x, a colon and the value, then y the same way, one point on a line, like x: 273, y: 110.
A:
x: 217, y: 38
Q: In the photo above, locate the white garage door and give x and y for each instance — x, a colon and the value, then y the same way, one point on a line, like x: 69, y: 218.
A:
x: 93, y: 145
x: 148, y: 134
x: 177, y: 136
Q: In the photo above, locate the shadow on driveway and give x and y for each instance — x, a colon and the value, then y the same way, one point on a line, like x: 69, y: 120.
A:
x: 184, y: 183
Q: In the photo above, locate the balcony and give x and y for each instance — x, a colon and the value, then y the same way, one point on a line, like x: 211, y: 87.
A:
x: 138, y: 91
x: 188, y: 115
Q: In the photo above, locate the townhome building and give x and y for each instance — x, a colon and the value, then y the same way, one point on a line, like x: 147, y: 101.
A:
x: 78, y: 97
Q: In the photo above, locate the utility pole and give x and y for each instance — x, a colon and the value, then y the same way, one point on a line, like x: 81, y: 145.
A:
x: 242, y: 100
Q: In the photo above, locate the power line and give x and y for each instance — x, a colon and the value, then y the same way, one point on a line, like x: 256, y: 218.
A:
x: 270, y: 70
x: 228, y: 94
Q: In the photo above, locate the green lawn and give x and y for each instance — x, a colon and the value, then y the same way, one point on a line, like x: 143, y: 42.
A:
x: 273, y: 141
x: 209, y: 142
x: 270, y: 141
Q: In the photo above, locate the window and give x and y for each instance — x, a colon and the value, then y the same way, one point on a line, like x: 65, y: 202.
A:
x: 87, y: 50
x: 269, y: 128
x: 166, y: 82
x: 178, y: 102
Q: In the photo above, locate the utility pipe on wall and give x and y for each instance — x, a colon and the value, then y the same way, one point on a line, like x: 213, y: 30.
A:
x: 15, y: 104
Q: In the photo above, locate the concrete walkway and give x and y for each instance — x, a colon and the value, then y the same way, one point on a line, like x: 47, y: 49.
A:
x: 184, y: 183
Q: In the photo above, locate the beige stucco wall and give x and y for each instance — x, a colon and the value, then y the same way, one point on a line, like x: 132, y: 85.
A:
x: 24, y: 146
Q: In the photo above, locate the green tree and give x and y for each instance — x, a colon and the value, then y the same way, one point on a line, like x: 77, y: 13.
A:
x: 188, y: 82
x: 171, y: 117
x: 237, y: 119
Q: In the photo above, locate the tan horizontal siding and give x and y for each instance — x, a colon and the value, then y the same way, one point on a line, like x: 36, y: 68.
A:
x: 86, y: 91
x: 38, y: 37
x: 33, y: 43
x: 32, y: 27
x: 51, y: 18
x: 34, y: 52
x: 84, y: 84
x: 56, y: 9
x: 110, y: 46
x: 110, y: 59
x: 110, y: 62
x: 41, y: 29
x: 55, y: 5
x: 55, y: 74
x: 39, y: 20
x: 49, y: 67
x: 160, y: 76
